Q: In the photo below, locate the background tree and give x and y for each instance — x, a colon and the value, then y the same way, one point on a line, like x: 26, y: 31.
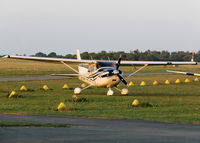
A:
x: 132, y: 55
x: 52, y: 54
x: 40, y: 54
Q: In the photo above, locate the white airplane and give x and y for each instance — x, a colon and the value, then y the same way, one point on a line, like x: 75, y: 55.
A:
x: 100, y: 73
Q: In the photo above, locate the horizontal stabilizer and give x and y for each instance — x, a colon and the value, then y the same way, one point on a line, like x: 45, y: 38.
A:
x: 186, y: 73
x: 68, y: 75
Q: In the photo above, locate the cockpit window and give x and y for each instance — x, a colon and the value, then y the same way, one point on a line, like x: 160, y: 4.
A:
x: 105, y: 64
x: 91, y: 69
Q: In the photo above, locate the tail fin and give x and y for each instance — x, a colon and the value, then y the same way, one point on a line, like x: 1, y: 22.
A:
x: 81, y: 69
x: 78, y: 55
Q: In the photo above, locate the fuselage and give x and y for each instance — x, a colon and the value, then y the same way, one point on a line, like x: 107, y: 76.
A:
x: 100, y: 76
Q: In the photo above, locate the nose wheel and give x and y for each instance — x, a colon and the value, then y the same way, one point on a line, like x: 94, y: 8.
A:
x: 124, y: 91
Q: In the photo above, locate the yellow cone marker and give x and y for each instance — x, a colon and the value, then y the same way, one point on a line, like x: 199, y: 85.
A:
x: 12, y: 94
x: 187, y: 80
x: 135, y: 102
x: 65, y: 86
x: 83, y: 85
x: 167, y: 82
x: 61, y: 106
x: 45, y: 87
x: 177, y: 81
x: 142, y: 83
x: 23, y: 88
x: 130, y: 83
x: 196, y: 79
x: 74, y: 97
x: 155, y: 82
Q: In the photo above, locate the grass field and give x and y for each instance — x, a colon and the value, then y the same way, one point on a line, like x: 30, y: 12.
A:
x: 171, y: 103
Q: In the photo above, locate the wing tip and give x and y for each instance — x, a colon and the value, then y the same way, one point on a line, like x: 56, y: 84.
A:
x: 7, y: 56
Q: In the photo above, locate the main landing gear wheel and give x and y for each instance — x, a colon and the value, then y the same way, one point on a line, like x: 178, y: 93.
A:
x: 77, y: 90
x: 110, y: 92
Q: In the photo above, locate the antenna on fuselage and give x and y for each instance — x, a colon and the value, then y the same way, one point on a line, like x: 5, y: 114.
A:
x: 91, y: 57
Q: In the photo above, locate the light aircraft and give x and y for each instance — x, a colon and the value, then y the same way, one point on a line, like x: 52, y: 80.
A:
x: 100, y: 73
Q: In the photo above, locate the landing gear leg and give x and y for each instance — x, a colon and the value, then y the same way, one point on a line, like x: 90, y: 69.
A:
x: 79, y: 90
x: 124, y: 91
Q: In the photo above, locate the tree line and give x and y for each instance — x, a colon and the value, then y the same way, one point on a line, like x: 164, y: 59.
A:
x: 135, y: 55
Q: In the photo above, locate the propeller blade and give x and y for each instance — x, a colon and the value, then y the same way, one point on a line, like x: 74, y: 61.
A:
x: 122, y: 79
x: 119, y: 61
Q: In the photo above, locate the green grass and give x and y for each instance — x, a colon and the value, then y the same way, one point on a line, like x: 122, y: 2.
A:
x: 171, y: 103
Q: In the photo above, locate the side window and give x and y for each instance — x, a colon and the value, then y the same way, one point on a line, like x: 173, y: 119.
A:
x: 91, y: 69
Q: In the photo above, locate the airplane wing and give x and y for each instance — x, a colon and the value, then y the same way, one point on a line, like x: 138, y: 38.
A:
x: 50, y: 59
x: 186, y: 73
x: 94, y: 61
x: 157, y: 63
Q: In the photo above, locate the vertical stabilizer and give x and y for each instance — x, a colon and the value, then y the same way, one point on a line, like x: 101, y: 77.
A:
x: 78, y: 55
x: 81, y: 69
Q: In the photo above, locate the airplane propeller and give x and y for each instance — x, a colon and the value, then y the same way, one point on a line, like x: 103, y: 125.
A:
x: 117, y: 67
x: 119, y: 61
x: 122, y: 79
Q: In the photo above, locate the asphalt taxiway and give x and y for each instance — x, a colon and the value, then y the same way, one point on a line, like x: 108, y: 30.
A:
x: 93, y: 130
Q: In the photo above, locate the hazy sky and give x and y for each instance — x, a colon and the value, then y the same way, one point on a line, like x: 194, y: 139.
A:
x: 30, y: 26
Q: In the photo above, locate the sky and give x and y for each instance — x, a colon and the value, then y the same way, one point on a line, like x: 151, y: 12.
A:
x: 62, y: 26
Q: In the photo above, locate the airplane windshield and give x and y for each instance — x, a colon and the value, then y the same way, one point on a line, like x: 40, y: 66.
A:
x: 105, y: 64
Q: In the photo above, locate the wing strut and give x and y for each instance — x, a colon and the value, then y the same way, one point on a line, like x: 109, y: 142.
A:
x: 137, y: 71
x: 69, y: 66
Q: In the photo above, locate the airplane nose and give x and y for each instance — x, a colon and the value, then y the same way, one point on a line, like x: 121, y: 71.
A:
x: 116, y: 72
